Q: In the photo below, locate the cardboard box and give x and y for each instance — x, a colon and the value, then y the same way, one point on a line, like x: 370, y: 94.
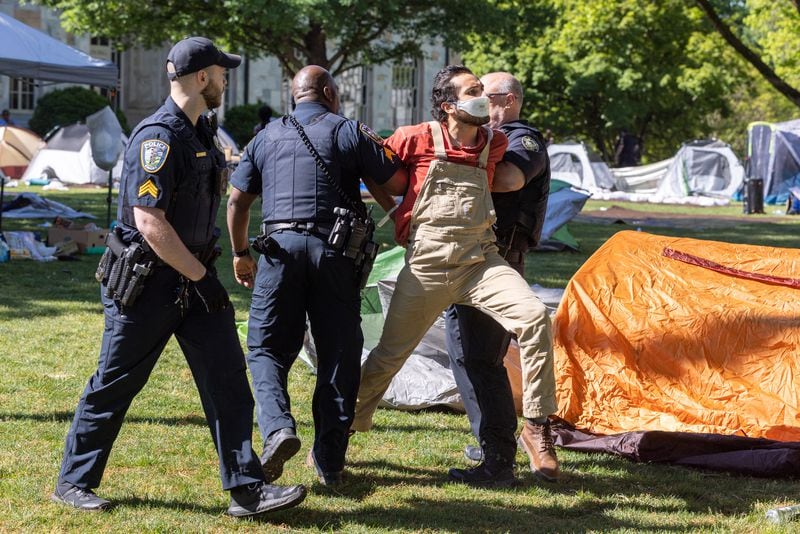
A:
x: 85, y: 239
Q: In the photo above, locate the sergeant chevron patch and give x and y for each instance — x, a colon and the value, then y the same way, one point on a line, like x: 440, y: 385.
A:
x: 153, y: 154
x: 148, y: 188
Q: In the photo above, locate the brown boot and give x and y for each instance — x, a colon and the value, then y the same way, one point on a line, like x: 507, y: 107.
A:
x: 537, y: 442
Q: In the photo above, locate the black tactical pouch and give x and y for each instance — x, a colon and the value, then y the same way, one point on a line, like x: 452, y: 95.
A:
x: 104, y: 266
x: 353, y: 236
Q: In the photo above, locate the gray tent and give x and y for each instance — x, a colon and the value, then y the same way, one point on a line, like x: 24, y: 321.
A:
x: 774, y: 152
x: 28, y: 53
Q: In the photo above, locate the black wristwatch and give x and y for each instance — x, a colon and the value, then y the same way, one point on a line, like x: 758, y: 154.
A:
x: 241, y: 253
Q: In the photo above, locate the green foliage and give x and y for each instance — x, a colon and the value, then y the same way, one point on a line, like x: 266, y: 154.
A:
x: 67, y: 106
x: 589, y: 67
x: 753, y: 100
x: 335, y: 34
x: 774, y: 28
x: 593, y: 67
x: 240, y: 120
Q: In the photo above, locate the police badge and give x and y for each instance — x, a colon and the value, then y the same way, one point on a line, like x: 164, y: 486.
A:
x: 370, y: 133
x: 530, y: 144
x: 153, y: 154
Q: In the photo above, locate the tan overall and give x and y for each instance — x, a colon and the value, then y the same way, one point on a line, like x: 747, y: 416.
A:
x: 452, y: 259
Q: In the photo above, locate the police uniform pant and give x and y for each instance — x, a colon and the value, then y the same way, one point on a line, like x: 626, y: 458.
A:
x: 477, y: 345
x: 440, y: 272
x: 133, y: 340
x: 306, y: 277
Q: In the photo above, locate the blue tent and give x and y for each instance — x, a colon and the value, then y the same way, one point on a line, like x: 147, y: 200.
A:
x: 774, y: 152
x: 28, y: 53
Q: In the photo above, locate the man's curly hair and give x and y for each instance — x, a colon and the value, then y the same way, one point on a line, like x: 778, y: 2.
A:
x: 443, y: 89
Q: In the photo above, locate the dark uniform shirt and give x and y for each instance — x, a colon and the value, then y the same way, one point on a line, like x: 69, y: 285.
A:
x: 527, y: 151
x: 175, y: 166
x: 359, y: 149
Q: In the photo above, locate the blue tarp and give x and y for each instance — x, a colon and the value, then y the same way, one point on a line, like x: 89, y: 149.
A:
x: 32, y: 206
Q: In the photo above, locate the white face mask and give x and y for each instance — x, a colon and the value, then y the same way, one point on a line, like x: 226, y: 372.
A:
x: 477, y: 107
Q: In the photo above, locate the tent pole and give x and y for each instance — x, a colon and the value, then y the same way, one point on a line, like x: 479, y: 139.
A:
x: 108, y: 199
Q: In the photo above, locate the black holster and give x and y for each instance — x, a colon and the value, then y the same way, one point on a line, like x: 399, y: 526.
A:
x: 513, y: 243
x: 353, y: 236
x: 123, y: 269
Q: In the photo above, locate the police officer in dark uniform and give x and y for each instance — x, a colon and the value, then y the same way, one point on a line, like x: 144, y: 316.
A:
x: 158, y: 280
x: 299, y: 271
x: 475, y: 342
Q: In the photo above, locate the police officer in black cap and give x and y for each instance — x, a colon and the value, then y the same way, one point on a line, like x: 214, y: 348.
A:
x: 158, y: 280
x: 476, y: 343
x: 301, y: 272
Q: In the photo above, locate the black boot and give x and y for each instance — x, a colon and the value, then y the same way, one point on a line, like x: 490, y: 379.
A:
x: 326, y: 478
x: 261, y: 497
x: 484, y: 476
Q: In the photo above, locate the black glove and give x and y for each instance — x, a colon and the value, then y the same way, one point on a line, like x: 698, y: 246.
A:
x: 211, y: 292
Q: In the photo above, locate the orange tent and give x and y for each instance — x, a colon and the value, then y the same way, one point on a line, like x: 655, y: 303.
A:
x: 682, y: 335
x: 17, y: 147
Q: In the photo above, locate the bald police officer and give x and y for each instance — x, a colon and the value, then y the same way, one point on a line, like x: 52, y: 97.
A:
x: 306, y: 167
x: 158, y: 280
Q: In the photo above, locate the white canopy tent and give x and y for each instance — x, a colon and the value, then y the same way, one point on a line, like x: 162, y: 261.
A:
x: 28, y: 53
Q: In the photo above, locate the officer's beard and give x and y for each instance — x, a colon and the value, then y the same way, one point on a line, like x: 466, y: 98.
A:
x: 212, y: 96
x: 466, y: 118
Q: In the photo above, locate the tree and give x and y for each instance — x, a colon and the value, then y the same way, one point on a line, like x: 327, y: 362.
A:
x: 774, y: 29
x: 335, y: 34
x: 63, y: 107
x: 240, y: 120
x: 593, y: 67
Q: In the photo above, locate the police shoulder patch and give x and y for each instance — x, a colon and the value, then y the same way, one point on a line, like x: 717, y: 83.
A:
x: 370, y: 133
x: 148, y: 188
x: 153, y: 154
x: 530, y: 144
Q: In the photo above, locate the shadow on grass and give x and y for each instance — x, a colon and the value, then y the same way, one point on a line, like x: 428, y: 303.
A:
x: 428, y: 514
x: 499, y: 509
x: 455, y: 515
x: 182, y: 506
x: 64, y: 416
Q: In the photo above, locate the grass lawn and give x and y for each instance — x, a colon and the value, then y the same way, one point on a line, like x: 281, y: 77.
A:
x: 163, y: 470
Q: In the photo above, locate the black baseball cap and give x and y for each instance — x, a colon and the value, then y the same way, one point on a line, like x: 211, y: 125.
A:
x: 196, y: 53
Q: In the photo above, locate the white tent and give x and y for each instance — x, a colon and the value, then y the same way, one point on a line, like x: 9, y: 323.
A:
x: 68, y: 157
x: 705, y: 172
x: 574, y: 164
